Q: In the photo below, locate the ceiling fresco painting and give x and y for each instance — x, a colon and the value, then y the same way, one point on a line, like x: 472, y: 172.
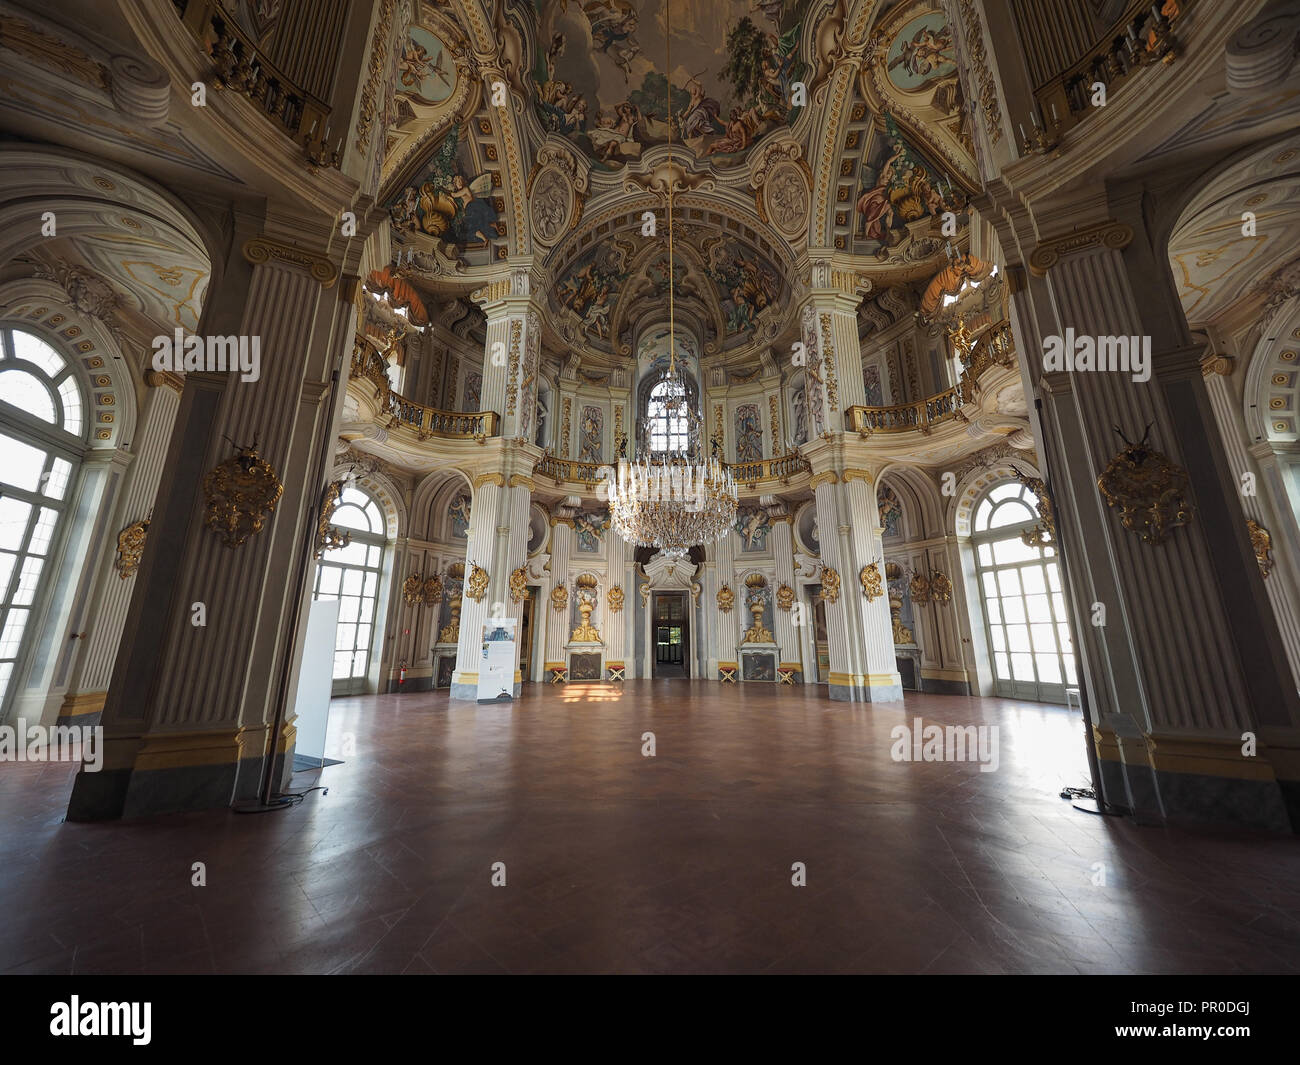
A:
x: 600, y: 81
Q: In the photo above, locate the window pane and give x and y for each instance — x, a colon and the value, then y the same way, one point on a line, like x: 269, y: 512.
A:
x: 15, y: 622
x: 363, y: 637
x: 27, y: 578
x: 350, y: 517
x: 990, y: 584
x: 329, y: 579
x: 1032, y: 579
x: 1018, y: 637
x: 57, y: 482
x: 1070, y: 677
x: 342, y: 665
x: 348, y: 607
x: 354, y: 554
x: 1043, y: 637
x: 71, y: 397
x: 352, y: 582
x: 33, y: 349
x: 1038, y: 609
x: 1012, y: 513
x: 23, y: 390
x: 994, y: 611
x: 1010, y: 582
x: 1049, y: 669
x: 1053, y: 576
x: 1000, y: 664
x: 44, y: 530
x: 1015, y: 550
x: 1022, y: 667
x: 372, y: 581
x: 999, y: 638
x: 1058, y: 604
x: 1013, y: 609
x: 21, y: 465
x: 372, y: 556
x: 6, y: 571
x: 1063, y: 637
x: 986, y: 555
x: 5, y: 669
x: 346, y: 637
x: 14, y: 515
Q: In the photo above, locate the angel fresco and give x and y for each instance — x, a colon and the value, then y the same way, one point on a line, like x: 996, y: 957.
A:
x: 749, y: 434
x: 589, y: 292
x: 459, y: 511
x: 748, y: 287
x: 613, y: 24
x: 891, y: 510
x: 445, y: 205
x: 903, y: 192
x: 588, y: 529
x: 929, y: 49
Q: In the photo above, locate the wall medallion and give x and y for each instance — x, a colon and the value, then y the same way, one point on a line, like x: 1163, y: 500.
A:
x: 560, y: 596
x: 1149, y: 489
x: 476, y: 586
x: 870, y: 578
x: 241, y: 493
x: 130, y: 547
x: 830, y: 585
x: 1260, y: 540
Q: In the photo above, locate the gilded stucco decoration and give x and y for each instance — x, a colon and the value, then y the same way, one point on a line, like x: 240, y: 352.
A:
x: 870, y: 578
x: 240, y: 494
x: 130, y: 547
x: 1150, y: 490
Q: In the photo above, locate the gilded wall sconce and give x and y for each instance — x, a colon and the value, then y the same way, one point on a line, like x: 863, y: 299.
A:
x: 940, y: 587
x: 830, y: 585
x: 615, y: 598
x: 330, y: 537
x: 919, y: 588
x: 433, y: 590
x: 785, y: 597
x: 476, y: 586
x: 518, y: 584
x: 130, y: 547
x: 413, y: 590
x: 241, y: 493
x: 726, y: 599
x: 559, y: 597
x: 1262, y: 543
x: 1149, y: 489
x: 870, y: 578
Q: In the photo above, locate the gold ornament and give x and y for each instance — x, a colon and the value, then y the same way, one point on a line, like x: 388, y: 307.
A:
x: 432, y: 590
x: 615, y: 599
x: 785, y: 597
x: 478, y: 582
x: 940, y: 587
x: 451, y: 631
x: 830, y: 585
x: 330, y: 537
x: 130, y: 547
x: 240, y: 493
x: 586, y: 632
x: 726, y: 599
x: 1044, y: 533
x: 757, y: 631
x: 919, y: 587
x: 1150, y: 490
x: 560, y: 596
x: 1260, y: 540
x: 870, y: 578
x: 413, y: 589
x: 518, y: 584
x: 902, y: 634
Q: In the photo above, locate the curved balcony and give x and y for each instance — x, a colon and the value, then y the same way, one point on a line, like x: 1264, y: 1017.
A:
x: 751, y: 476
x: 424, y: 421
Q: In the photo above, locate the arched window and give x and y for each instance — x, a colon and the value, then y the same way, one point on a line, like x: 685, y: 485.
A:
x: 42, y: 439
x: 1024, y: 609
x: 351, y: 575
x: 666, y: 419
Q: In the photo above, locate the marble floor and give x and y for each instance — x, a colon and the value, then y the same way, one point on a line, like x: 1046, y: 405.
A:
x: 617, y: 862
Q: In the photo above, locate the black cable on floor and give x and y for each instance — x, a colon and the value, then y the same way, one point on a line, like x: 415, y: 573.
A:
x: 279, y: 802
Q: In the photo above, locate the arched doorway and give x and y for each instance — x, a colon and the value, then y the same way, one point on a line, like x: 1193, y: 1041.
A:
x: 1025, y: 616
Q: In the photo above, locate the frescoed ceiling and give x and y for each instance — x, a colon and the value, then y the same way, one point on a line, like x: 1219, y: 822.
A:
x: 599, y: 75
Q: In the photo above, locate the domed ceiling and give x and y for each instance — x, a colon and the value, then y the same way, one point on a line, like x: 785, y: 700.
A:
x: 795, y: 123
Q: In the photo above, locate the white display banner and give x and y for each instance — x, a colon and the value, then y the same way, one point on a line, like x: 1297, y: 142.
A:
x: 496, y: 668
x: 312, y: 704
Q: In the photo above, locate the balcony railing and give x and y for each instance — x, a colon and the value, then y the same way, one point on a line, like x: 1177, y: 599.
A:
x: 745, y: 473
x: 995, y: 348
x: 367, y: 365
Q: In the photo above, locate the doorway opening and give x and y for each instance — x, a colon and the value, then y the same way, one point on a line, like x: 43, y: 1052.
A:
x: 526, y: 637
x: 671, y: 635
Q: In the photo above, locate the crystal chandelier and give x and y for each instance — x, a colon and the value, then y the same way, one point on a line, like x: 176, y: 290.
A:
x: 671, y: 497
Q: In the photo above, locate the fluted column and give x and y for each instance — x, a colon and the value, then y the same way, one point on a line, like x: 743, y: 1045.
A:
x: 728, y: 624
x: 512, y: 352
x: 782, y: 540
x: 189, y: 708
x: 557, y: 621
x: 614, y: 628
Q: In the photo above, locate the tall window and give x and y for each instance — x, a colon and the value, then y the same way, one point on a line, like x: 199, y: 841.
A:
x: 1024, y: 609
x: 351, y: 575
x: 41, y: 444
x: 666, y: 419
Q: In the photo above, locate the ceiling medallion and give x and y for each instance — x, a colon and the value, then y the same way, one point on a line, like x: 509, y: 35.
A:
x: 1150, y: 490
x: 241, y: 493
x: 130, y: 547
x: 670, y: 497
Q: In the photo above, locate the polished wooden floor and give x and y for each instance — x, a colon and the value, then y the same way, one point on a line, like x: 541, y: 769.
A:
x: 617, y: 862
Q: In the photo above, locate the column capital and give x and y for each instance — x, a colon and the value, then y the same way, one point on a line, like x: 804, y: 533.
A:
x: 262, y: 250
x: 1108, y: 234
